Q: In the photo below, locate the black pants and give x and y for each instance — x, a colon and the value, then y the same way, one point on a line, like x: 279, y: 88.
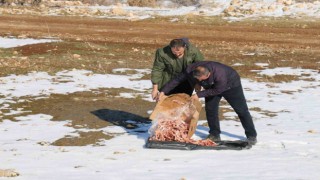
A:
x: 183, y: 87
x: 236, y: 99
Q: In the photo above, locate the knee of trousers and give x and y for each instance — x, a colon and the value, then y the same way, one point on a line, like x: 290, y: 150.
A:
x: 212, y: 109
x: 243, y: 112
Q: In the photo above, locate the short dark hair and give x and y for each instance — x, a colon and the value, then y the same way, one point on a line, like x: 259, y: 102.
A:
x: 200, y: 71
x: 177, y: 43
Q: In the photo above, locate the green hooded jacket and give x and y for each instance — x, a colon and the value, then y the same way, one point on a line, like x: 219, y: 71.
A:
x: 165, y: 66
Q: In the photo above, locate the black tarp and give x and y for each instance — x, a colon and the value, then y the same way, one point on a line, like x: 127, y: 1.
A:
x: 221, y: 145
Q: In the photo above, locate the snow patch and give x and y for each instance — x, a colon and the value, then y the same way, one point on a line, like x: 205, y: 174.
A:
x: 286, y: 142
x: 14, y: 42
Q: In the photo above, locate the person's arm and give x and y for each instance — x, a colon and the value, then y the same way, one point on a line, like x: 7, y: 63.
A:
x: 220, y: 85
x: 174, y: 82
x: 171, y: 85
x: 156, y: 74
x: 155, y: 91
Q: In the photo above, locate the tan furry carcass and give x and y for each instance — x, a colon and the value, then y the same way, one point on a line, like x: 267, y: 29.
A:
x: 180, y: 107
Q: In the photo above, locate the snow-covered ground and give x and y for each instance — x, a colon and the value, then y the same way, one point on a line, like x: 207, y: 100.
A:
x: 9, y: 42
x: 288, y: 146
x: 229, y: 9
x: 232, y: 9
x: 288, y: 143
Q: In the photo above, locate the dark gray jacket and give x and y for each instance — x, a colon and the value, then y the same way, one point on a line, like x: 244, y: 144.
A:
x: 222, y: 78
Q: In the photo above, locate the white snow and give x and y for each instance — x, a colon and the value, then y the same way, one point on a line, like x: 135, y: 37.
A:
x: 289, y: 71
x: 232, y: 10
x: 237, y: 64
x: 43, y: 84
x: 285, y: 148
x: 6, y: 42
x: 262, y: 64
x: 244, y: 9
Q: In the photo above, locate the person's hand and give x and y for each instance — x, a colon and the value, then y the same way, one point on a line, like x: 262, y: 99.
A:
x: 161, y: 96
x: 197, y: 87
x: 195, y: 97
x: 155, y: 94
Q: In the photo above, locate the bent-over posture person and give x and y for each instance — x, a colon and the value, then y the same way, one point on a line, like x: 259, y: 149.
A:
x: 218, y: 80
x: 170, y: 61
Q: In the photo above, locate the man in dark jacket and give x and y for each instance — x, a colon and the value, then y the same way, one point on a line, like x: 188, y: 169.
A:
x: 170, y: 61
x: 217, y: 80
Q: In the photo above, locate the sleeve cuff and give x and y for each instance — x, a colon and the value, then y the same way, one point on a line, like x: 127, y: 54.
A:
x: 200, y: 94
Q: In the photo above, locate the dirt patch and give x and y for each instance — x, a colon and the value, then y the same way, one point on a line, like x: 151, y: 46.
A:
x: 88, y: 110
x: 278, y: 78
x: 94, y: 109
x: 104, y: 44
x: 142, y: 3
x: 264, y: 112
x: 84, y: 138
x: 40, y: 49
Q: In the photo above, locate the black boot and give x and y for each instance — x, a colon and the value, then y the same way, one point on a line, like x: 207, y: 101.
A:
x: 214, y: 138
x: 252, y: 140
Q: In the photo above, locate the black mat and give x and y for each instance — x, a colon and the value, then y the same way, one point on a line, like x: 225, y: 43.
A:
x: 221, y: 145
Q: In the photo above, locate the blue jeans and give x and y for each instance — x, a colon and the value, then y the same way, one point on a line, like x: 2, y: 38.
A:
x: 236, y: 99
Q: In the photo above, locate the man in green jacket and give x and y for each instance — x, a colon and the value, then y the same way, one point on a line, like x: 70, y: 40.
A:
x: 170, y: 61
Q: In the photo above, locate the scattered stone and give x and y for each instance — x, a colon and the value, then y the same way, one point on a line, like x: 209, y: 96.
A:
x: 230, y: 10
x: 22, y: 36
x: 62, y: 149
x: 135, y: 49
x: 310, y: 5
x: 300, y: 5
x: 118, y: 11
x: 312, y: 131
x: 8, y: 173
x: 76, y: 56
x: 280, y: 1
x: 272, y: 7
x: 43, y: 143
x: 111, y: 158
x: 285, y: 9
x: 287, y: 2
x: 234, y: 2
x: 118, y: 152
x: 253, y: 9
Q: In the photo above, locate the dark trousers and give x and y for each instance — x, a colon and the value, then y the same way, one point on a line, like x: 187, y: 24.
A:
x: 183, y: 87
x: 236, y: 99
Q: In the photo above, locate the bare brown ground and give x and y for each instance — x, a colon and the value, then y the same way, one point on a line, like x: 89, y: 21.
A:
x: 105, y: 44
